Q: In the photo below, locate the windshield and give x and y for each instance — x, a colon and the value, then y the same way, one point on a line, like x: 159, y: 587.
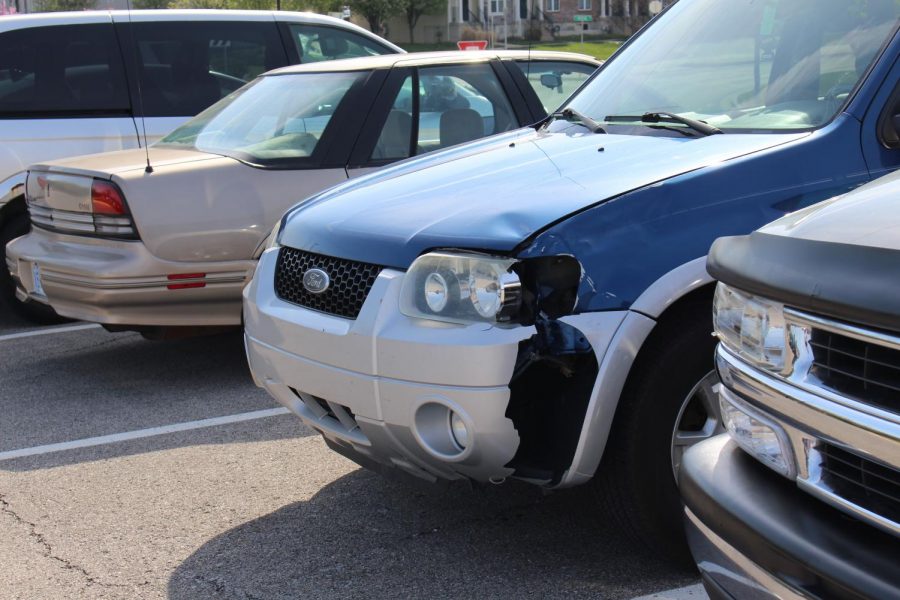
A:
x: 275, y: 120
x: 743, y: 64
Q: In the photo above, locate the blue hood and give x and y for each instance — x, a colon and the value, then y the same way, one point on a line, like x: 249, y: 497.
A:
x: 494, y: 194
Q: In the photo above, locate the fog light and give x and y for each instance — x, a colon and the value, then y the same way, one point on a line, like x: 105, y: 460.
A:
x: 459, y: 430
x: 757, y: 435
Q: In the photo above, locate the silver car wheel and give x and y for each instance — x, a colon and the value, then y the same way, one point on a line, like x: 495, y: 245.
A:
x: 699, y: 418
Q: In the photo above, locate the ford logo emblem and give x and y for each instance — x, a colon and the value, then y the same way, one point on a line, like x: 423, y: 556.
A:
x: 316, y: 281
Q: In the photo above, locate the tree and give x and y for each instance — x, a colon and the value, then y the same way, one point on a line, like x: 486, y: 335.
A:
x: 377, y: 12
x: 414, y: 9
x: 150, y: 4
x: 58, y: 5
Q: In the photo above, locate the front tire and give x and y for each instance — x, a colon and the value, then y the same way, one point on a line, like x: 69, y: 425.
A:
x: 17, y: 225
x: 667, y: 405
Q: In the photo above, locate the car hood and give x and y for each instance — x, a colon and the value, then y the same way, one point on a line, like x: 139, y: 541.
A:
x: 869, y: 216
x: 493, y: 194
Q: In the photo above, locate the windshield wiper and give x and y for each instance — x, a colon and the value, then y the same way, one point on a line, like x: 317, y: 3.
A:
x: 667, y: 117
x: 570, y: 114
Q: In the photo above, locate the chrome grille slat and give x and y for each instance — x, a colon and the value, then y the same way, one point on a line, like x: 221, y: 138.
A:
x: 351, y: 282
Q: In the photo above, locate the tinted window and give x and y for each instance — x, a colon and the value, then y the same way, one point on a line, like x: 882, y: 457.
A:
x: 554, y: 81
x: 185, y: 67
x: 456, y: 104
x: 61, y: 71
x: 276, y: 121
x: 316, y: 43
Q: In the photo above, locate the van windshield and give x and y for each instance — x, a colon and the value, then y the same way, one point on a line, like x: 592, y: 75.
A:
x: 276, y: 120
x: 743, y: 64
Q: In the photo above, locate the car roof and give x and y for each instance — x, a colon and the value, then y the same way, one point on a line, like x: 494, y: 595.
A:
x: 387, y: 61
x: 11, y: 22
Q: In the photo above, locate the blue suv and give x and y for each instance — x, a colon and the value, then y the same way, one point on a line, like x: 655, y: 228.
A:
x: 536, y: 305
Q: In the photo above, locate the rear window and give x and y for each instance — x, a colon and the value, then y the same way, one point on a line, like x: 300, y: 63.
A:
x: 184, y: 67
x: 315, y: 43
x: 278, y: 121
x: 62, y: 71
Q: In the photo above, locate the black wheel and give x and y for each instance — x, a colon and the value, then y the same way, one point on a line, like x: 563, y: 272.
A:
x: 667, y: 406
x: 15, y: 226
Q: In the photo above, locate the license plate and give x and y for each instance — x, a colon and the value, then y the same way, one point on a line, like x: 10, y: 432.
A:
x: 38, y: 287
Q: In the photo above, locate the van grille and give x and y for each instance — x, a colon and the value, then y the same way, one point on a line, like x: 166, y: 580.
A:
x: 863, y: 482
x: 858, y: 369
x: 350, y: 284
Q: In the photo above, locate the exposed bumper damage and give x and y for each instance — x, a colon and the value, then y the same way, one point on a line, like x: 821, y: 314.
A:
x: 550, y: 391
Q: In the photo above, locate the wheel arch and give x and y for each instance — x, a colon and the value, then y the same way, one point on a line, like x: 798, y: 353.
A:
x: 12, y: 196
x: 654, y: 315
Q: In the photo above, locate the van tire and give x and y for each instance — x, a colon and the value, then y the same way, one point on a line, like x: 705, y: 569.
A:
x: 635, y: 484
x: 15, y: 226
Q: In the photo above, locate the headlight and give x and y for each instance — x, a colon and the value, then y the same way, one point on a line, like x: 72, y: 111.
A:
x: 751, y: 327
x: 272, y: 240
x: 461, y: 288
x: 759, y: 436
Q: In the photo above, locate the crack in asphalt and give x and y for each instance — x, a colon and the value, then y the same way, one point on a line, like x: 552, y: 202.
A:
x: 38, y: 537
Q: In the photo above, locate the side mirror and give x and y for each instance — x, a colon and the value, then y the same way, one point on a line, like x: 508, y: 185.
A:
x: 551, y: 80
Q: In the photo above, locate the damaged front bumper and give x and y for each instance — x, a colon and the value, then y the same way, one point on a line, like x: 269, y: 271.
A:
x: 382, y: 388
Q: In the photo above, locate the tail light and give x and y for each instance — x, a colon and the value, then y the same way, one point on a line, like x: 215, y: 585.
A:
x: 79, y: 205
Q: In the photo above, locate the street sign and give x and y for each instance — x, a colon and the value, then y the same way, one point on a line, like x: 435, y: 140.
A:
x: 583, y: 18
x: 472, y: 45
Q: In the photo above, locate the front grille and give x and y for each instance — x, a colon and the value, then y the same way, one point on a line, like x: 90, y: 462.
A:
x: 863, y: 482
x: 858, y: 369
x: 350, y: 282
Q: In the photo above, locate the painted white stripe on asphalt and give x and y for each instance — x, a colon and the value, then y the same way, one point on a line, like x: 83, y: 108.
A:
x: 143, y: 433
x: 691, y: 592
x: 48, y: 331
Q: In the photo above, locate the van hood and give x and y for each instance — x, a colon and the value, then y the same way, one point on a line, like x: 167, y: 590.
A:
x: 493, y: 194
x: 869, y: 216
x: 837, y: 258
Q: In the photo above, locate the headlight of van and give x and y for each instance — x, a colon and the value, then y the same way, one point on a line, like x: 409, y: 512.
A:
x: 751, y: 327
x: 461, y: 288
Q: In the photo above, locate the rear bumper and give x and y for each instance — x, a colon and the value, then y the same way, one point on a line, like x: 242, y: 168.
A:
x: 121, y: 283
x: 754, y: 534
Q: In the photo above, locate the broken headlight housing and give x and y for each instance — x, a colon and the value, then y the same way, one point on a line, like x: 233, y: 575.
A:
x: 751, y: 327
x: 461, y: 288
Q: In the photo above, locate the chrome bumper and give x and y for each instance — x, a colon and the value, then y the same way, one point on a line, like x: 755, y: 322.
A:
x: 121, y: 283
x: 811, y: 421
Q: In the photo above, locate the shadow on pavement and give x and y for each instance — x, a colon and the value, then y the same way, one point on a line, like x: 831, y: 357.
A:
x: 366, y: 536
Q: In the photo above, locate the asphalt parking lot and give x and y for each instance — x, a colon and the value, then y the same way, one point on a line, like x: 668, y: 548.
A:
x: 253, y: 505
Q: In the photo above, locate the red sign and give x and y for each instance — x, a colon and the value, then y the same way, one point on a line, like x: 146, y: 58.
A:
x: 472, y: 45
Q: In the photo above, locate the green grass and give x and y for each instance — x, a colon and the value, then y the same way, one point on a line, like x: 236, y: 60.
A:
x: 598, y: 49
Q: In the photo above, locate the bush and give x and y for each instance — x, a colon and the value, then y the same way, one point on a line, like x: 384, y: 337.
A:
x: 471, y: 33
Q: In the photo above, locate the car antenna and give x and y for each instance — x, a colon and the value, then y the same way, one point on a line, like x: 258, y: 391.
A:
x: 137, y: 74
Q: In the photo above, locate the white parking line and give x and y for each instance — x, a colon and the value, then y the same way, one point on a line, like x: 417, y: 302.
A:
x: 691, y: 592
x: 48, y: 331
x: 142, y: 433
